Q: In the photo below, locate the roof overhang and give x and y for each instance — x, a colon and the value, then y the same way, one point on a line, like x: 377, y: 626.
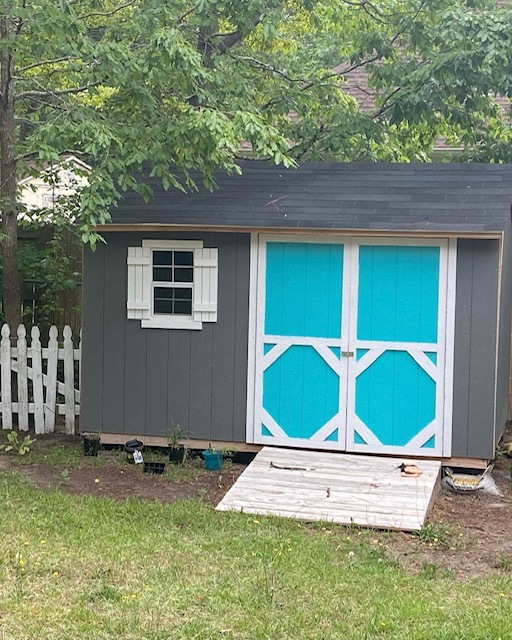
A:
x: 425, y: 233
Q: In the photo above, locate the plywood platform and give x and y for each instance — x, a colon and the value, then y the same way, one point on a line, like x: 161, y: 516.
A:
x: 335, y: 487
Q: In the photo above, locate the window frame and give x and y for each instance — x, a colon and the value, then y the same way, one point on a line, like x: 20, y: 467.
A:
x: 171, y: 321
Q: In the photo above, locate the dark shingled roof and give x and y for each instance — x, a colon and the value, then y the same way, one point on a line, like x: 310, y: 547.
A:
x: 395, y: 197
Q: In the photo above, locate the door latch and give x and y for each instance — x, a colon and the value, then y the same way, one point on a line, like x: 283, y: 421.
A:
x: 347, y: 354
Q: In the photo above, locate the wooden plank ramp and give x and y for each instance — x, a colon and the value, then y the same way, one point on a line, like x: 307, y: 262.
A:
x: 335, y: 487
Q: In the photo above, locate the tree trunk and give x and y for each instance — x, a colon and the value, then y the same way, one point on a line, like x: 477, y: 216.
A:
x: 8, y: 208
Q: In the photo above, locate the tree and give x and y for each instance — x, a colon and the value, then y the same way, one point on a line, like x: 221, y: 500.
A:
x: 122, y: 83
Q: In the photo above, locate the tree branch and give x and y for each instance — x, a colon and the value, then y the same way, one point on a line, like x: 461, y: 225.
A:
x: 233, y: 38
x: 187, y: 13
x: 268, y: 67
x: 106, y: 14
x: 46, y: 62
x: 56, y: 94
x: 35, y: 154
x: 385, y: 105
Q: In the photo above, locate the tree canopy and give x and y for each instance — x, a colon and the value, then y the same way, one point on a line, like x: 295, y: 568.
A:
x: 191, y: 84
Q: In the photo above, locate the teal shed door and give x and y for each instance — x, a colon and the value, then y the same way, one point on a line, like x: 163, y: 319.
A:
x: 350, y: 340
x: 302, y: 377
x: 397, y: 335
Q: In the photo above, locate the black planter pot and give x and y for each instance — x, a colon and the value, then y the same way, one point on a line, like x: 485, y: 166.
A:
x: 177, y: 454
x: 154, y: 467
x: 91, y: 446
x: 131, y: 447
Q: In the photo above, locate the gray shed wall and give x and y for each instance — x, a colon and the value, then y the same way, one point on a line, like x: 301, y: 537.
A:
x: 140, y: 381
x: 475, y: 348
x: 503, y: 370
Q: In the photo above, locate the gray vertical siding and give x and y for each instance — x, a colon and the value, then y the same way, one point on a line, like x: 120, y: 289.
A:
x: 503, y: 370
x: 475, y: 348
x: 91, y: 403
x: 142, y: 381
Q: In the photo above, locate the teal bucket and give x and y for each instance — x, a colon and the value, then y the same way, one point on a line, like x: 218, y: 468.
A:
x: 212, y: 460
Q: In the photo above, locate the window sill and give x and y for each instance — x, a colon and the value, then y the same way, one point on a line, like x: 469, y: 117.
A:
x: 171, y: 323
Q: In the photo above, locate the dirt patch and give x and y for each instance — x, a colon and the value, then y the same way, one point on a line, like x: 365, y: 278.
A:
x: 130, y: 482
x: 465, y: 535
x: 111, y: 474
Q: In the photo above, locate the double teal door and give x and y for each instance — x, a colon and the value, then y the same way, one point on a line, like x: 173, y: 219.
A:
x: 351, y: 345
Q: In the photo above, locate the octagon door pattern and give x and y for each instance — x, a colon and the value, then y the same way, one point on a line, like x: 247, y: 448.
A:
x: 350, y: 341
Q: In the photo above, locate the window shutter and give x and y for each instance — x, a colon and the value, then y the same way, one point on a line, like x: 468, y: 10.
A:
x: 205, y: 285
x: 139, y: 283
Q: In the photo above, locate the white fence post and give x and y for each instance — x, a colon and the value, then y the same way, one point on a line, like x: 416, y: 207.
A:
x: 69, y: 386
x: 37, y: 380
x: 21, y: 345
x: 51, y: 385
x: 42, y: 398
x: 5, y: 363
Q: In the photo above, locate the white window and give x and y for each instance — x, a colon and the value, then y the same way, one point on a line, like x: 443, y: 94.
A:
x: 172, y: 284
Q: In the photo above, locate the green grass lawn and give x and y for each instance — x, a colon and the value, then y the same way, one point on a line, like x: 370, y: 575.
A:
x: 82, y: 568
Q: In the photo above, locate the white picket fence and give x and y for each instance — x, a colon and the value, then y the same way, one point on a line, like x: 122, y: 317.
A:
x: 37, y: 389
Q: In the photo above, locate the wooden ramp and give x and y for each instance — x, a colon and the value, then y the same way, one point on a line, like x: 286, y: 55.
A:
x: 335, y: 487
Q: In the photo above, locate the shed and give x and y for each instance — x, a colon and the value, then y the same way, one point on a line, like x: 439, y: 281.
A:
x: 343, y: 307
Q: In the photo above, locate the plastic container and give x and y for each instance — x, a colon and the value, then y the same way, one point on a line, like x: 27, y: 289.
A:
x: 212, y: 460
x: 154, y: 467
x: 91, y: 446
x: 131, y: 447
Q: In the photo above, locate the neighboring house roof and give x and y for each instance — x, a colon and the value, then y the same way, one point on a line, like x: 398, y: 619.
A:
x: 54, y: 182
x: 357, y: 85
x: 337, y: 196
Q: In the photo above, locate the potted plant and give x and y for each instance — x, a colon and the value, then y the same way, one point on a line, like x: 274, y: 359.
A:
x: 212, y: 458
x: 91, y: 443
x: 176, y: 449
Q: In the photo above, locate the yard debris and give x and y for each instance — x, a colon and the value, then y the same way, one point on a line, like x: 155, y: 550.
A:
x: 507, y: 448
x: 470, y: 482
x: 410, y: 470
x: 282, y: 466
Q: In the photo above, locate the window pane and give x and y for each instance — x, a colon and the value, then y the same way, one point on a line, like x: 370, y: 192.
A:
x: 162, y: 257
x: 162, y: 274
x: 182, y: 294
x: 162, y: 301
x: 183, y: 258
x: 183, y: 307
x: 173, y: 301
x: 163, y: 293
x: 163, y: 306
x: 183, y: 274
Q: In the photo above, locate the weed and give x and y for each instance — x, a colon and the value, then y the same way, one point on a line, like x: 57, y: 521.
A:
x: 504, y: 563
x: 15, y: 443
x: 57, y: 456
x: 432, y: 571
x: 106, y: 592
x: 435, y: 534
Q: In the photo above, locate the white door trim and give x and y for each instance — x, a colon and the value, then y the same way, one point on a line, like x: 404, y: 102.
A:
x: 442, y: 371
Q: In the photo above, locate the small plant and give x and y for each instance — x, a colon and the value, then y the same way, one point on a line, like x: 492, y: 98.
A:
x: 432, y: 571
x: 175, y: 434
x: 435, y: 534
x: 92, y: 435
x: 15, y: 443
x: 505, y: 563
x: 176, y: 449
